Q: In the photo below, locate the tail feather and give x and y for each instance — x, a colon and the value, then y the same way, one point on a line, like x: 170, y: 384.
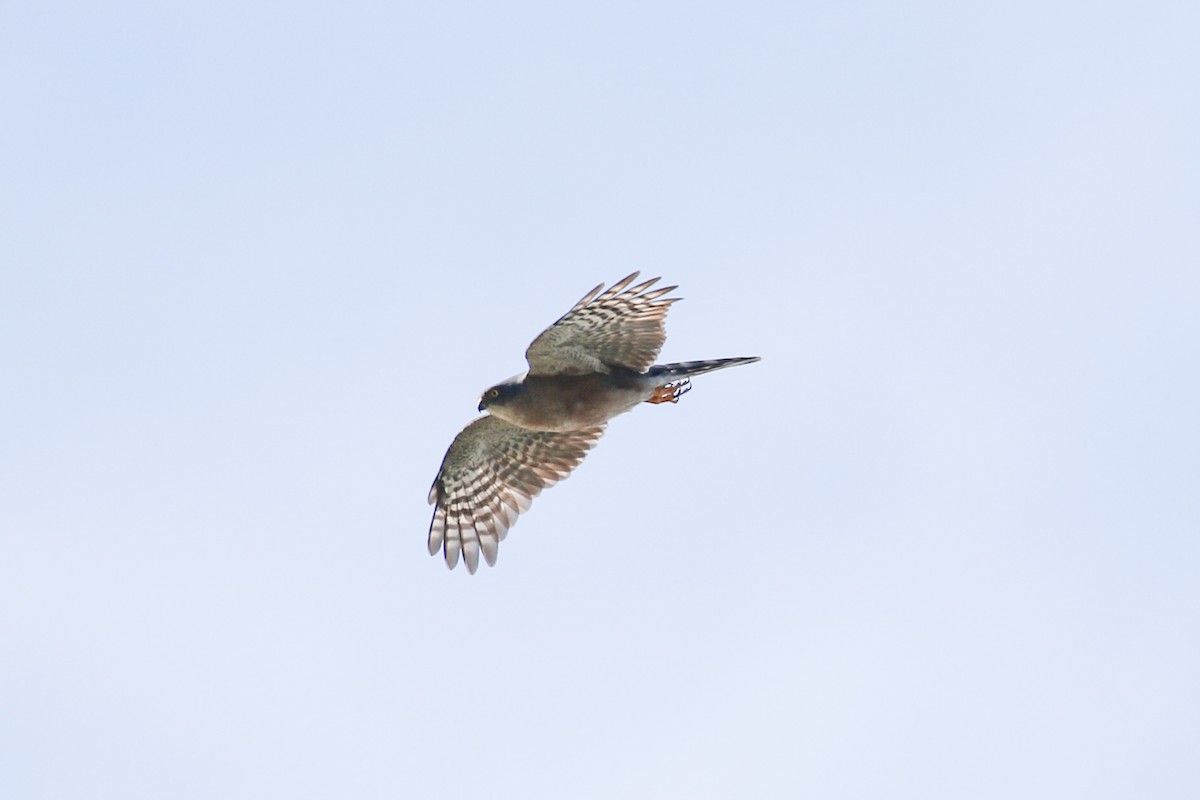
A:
x: 686, y: 369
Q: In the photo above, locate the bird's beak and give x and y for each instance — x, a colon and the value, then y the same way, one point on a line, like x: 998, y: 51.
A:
x: 482, y: 405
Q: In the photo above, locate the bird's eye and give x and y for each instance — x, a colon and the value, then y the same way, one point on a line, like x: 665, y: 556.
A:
x: 493, y: 393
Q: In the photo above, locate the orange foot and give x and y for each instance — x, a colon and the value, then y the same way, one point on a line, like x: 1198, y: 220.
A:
x: 671, y: 392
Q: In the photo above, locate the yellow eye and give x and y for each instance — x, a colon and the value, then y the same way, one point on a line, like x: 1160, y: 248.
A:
x: 493, y: 393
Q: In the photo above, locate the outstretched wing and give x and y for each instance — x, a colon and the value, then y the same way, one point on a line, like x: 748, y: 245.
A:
x: 619, y: 328
x: 490, y: 474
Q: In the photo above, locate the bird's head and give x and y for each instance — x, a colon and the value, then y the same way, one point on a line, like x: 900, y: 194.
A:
x: 500, y: 394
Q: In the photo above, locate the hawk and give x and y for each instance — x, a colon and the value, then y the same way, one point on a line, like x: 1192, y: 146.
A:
x: 595, y: 362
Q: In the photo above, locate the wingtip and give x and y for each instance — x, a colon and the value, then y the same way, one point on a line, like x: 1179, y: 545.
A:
x: 620, y: 285
x: 490, y: 544
x: 644, y: 285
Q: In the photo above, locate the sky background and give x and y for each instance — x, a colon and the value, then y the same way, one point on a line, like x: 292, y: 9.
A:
x: 260, y: 259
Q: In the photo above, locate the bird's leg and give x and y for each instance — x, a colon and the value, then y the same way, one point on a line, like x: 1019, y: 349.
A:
x: 671, y: 392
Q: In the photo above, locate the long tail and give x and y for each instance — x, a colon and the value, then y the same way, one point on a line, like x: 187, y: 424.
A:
x: 686, y: 369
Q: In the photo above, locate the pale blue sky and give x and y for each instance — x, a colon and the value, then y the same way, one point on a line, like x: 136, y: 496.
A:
x: 260, y: 259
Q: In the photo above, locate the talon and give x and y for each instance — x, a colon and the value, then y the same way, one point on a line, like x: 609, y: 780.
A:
x: 670, y: 392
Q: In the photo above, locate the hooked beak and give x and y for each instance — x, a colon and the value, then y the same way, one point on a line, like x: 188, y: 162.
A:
x: 482, y: 405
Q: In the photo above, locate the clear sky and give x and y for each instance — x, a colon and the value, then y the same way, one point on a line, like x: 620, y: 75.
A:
x: 259, y: 260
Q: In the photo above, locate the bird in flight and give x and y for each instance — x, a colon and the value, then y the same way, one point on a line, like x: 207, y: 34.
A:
x: 595, y: 362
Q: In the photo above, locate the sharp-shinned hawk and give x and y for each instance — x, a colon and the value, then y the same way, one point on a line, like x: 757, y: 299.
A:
x: 595, y: 362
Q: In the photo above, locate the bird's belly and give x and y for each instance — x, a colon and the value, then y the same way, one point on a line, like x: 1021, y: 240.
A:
x: 565, y: 403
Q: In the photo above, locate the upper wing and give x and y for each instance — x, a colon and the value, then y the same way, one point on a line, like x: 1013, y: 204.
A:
x: 490, y: 474
x: 622, y: 328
